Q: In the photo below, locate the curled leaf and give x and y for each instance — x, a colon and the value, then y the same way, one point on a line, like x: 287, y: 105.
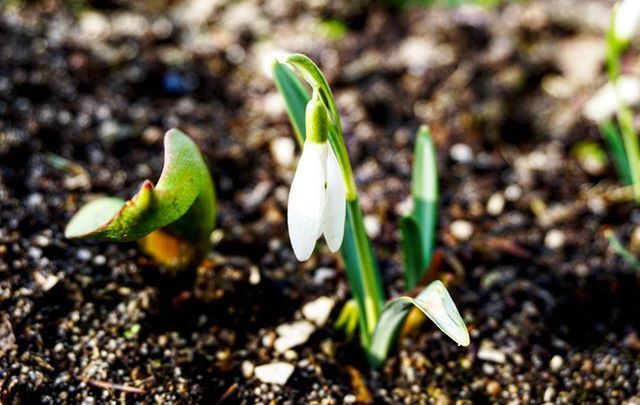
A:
x: 435, y: 302
x: 183, y: 202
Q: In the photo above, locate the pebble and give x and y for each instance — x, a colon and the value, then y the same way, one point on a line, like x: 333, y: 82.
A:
x: 247, y: 369
x: 83, y: 254
x: 274, y: 373
x: 372, y: 225
x: 318, y: 310
x: 491, y: 354
x: 513, y: 192
x: 493, y: 388
x: 549, y: 394
x: 461, y: 153
x: 556, y: 363
x: 461, y: 229
x: 495, y: 204
x: 283, y: 151
x: 292, y: 334
x: 349, y: 399
x: 554, y: 239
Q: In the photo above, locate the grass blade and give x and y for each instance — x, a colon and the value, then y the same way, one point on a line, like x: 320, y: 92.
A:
x: 295, y: 95
x: 424, y: 189
x: 411, y: 251
x: 613, y: 138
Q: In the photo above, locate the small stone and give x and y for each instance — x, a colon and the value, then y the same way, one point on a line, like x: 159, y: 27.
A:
x: 461, y: 153
x: 247, y: 369
x: 488, y: 353
x: 513, y: 192
x: 83, y: 254
x: 556, y: 363
x: 549, y: 394
x: 318, y: 310
x: 349, y: 399
x: 461, y: 229
x: 274, y: 373
x: 554, y: 239
x: 495, y: 204
x: 283, y: 151
x: 292, y: 334
x: 254, y: 275
x: 372, y: 225
x: 493, y: 388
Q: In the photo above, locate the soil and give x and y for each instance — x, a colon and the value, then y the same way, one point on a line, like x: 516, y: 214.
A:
x: 88, y: 89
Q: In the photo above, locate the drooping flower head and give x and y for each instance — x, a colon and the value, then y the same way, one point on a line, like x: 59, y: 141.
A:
x: 317, y: 202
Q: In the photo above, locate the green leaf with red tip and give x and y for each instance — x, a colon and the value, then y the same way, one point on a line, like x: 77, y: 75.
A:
x: 183, y: 201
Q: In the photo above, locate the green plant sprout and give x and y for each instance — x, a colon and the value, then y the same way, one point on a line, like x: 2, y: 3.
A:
x: 622, y: 139
x: 317, y: 201
x: 173, y: 220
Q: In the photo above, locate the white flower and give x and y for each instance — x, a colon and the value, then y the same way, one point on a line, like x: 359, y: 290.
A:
x: 626, y: 20
x: 317, y: 202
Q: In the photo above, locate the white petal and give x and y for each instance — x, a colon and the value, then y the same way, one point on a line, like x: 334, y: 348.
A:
x: 627, y: 19
x: 335, y: 206
x: 604, y: 103
x: 437, y: 304
x: 306, y: 199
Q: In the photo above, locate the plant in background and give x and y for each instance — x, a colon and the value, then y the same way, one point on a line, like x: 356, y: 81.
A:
x: 623, y: 137
x: 173, y: 220
x: 319, y: 205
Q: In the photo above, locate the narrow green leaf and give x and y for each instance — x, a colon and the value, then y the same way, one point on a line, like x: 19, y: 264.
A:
x: 183, y: 200
x: 619, y: 248
x: 348, y: 318
x: 295, y: 95
x: 424, y: 189
x: 411, y: 249
x: 435, y: 302
x: 613, y: 138
x: 360, y: 262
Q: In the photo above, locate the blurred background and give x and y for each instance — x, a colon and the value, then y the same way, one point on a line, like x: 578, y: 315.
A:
x: 88, y: 88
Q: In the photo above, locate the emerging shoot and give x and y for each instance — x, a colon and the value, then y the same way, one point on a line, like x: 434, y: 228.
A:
x: 181, y: 208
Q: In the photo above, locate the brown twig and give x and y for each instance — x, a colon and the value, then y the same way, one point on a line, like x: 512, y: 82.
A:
x: 117, y: 387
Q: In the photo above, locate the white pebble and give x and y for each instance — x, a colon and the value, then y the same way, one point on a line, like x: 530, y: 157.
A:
x: 556, y: 363
x: 492, y: 355
x: 318, y: 310
x: 461, y: 153
x: 549, y: 394
x: 247, y: 369
x: 274, y: 373
x: 461, y: 229
x: 513, y: 192
x: 292, y: 334
x: 372, y: 225
x: 554, y: 239
x: 495, y: 204
x: 283, y: 151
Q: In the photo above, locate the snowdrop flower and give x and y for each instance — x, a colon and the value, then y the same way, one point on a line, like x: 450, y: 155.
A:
x: 317, y: 202
x: 626, y: 20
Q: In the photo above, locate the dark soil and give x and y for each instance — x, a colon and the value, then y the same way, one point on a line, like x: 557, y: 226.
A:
x: 85, y: 98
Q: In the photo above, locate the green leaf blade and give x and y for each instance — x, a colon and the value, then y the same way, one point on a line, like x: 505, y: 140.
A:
x: 184, y: 186
x: 435, y: 302
x: 424, y: 190
x: 412, y: 253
